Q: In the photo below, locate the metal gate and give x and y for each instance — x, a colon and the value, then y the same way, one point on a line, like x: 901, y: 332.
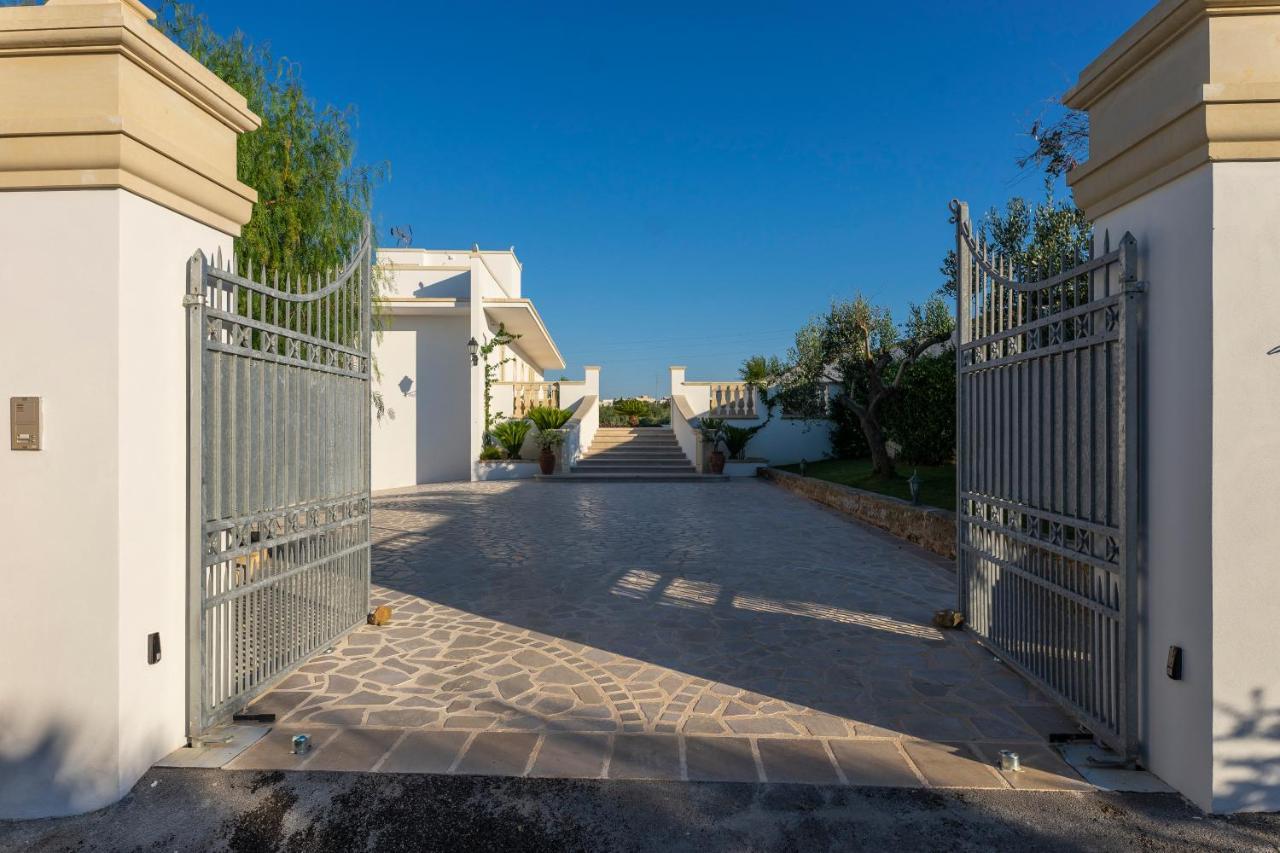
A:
x: 1047, y: 492
x: 278, y: 475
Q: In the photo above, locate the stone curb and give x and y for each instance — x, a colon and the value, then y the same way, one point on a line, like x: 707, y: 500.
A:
x: 929, y: 527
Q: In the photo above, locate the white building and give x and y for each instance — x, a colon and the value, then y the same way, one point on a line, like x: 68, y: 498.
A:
x: 434, y: 304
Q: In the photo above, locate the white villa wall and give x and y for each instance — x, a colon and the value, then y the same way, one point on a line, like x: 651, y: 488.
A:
x: 497, y: 274
x: 1176, y: 258
x: 425, y: 382
x: 94, y: 524
x: 504, y: 271
x: 788, y: 440
x: 1246, y: 471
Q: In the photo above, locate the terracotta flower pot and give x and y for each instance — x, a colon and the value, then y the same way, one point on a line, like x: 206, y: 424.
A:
x: 547, y: 461
x: 717, y: 462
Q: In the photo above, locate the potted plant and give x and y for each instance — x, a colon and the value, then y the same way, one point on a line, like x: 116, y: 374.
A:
x: 550, y: 422
x: 713, y: 432
x: 511, y: 435
x: 632, y: 409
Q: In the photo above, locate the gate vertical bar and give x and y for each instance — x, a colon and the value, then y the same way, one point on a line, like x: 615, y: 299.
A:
x: 961, y: 212
x: 1131, y: 524
x: 194, y: 303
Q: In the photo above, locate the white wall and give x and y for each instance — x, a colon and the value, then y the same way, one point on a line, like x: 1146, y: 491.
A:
x: 423, y: 437
x: 1246, y: 473
x: 1176, y: 257
x: 788, y: 440
x: 94, y: 524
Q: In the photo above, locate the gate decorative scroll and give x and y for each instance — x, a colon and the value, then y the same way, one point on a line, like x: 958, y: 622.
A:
x: 278, y: 475
x: 1046, y: 465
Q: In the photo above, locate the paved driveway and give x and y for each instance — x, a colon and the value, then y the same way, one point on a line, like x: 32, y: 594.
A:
x: 726, y: 631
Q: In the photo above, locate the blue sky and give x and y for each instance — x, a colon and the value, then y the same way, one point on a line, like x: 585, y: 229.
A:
x: 687, y: 183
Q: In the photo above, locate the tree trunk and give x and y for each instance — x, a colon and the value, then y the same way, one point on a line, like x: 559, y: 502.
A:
x: 881, y: 461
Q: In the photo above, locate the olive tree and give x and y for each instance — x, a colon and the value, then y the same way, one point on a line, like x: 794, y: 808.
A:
x: 858, y: 345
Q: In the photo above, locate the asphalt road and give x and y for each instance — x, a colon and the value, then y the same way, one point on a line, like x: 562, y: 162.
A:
x: 218, y: 810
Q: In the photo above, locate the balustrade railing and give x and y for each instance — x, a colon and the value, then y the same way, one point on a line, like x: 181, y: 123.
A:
x: 531, y: 395
x: 731, y: 400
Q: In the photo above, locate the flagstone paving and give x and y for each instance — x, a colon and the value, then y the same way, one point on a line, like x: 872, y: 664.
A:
x: 672, y: 631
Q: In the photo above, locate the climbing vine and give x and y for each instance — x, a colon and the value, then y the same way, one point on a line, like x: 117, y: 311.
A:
x: 500, y: 339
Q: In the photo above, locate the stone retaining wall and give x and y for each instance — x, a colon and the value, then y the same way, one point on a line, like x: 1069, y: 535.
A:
x: 929, y: 527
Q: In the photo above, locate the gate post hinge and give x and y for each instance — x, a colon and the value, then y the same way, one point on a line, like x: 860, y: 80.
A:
x: 1135, y: 287
x: 191, y: 300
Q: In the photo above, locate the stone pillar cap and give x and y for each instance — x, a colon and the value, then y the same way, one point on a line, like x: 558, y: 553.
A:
x: 120, y: 106
x: 134, y: 5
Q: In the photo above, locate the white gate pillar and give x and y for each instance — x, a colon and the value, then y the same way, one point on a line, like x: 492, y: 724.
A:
x: 1185, y: 153
x: 119, y: 155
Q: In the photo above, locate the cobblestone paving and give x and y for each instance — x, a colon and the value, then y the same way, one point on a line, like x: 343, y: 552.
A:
x: 657, y: 631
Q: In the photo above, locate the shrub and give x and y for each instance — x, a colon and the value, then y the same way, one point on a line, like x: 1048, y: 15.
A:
x: 549, y: 439
x: 631, y: 408
x: 549, y: 417
x: 491, y: 451
x: 511, y: 435
x: 737, y: 438
x: 921, y: 417
x: 848, y: 441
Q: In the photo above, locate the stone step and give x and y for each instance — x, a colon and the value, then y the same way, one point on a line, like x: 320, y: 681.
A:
x: 635, y: 456
x: 602, y: 468
x: 578, y: 477
x: 638, y: 445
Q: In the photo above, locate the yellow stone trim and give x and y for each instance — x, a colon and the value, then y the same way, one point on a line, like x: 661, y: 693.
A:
x: 111, y: 161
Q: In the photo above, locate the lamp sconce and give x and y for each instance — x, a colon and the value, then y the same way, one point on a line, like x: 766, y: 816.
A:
x: 474, y: 348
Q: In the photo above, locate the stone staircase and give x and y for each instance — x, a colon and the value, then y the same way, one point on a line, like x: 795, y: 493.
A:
x: 641, y: 454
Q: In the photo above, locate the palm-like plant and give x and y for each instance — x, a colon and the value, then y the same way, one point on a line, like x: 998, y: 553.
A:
x: 736, y: 439
x: 549, y: 417
x: 712, y: 430
x: 511, y: 435
x: 632, y: 409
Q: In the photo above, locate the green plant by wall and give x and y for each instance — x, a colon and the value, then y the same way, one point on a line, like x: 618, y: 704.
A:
x: 549, y: 417
x: 490, y: 452
x: 550, y: 439
x: 511, y: 435
x: 500, y: 339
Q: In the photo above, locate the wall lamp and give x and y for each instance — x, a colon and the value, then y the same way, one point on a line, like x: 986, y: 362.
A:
x: 474, y: 348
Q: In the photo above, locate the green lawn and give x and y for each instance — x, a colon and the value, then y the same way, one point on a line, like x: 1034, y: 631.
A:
x: 937, y: 482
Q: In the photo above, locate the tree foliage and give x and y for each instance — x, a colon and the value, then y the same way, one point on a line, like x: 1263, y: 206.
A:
x: 314, y: 198
x: 1036, y: 239
x: 1061, y: 143
x: 921, y: 417
x: 631, y: 407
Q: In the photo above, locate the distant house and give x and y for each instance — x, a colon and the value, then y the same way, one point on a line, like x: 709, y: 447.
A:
x: 434, y: 304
